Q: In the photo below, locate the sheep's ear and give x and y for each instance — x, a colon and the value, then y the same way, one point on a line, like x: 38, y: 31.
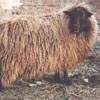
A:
x: 66, y: 12
x: 89, y: 14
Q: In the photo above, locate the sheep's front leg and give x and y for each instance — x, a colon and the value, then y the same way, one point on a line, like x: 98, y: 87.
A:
x: 67, y: 79
x: 57, y: 77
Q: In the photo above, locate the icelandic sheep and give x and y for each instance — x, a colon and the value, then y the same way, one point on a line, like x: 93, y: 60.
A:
x: 31, y: 46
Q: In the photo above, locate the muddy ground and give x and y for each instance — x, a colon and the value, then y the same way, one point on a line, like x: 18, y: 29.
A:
x: 85, y: 79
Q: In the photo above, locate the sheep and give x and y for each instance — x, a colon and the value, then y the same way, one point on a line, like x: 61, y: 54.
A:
x: 31, y: 46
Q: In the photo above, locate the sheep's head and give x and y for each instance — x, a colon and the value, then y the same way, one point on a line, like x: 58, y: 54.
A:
x: 79, y: 20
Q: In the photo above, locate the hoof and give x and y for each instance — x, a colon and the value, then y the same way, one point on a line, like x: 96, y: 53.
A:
x: 1, y: 88
x: 57, y: 80
x: 68, y: 82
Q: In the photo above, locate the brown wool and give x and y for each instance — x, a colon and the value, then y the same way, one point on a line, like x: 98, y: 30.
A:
x: 30, y: 46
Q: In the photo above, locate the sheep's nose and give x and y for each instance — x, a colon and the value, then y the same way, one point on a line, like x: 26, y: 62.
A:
x: 76, y: 28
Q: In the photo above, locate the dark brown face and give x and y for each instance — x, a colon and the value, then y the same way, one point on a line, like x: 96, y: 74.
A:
x: 79, y: 20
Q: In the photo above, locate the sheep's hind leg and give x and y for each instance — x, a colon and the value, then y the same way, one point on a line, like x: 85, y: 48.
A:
x: 67, y: 79
x: 57, y: 78
x: 1, y: 87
